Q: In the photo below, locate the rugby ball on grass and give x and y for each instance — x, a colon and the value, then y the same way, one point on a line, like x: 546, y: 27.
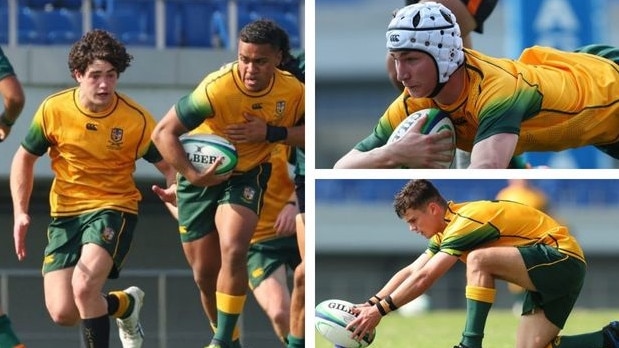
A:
x: 436, y: 121
x: 203, y: 149
x: 332, y: 317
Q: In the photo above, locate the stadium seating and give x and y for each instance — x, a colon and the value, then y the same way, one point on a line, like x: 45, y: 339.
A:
x: 132, y: 28
x: 197, y: 23
x: 59, y: 26
x: 189, y: 23
x: 4, y: 23
x: 285, y: 13
x: 564, y: 192
x: 27, y: 32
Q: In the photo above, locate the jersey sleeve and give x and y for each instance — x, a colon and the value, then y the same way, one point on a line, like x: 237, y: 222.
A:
x: 195, y: 107
x: 399, y: 109
x: 36, y: 141
x: 505, y: 114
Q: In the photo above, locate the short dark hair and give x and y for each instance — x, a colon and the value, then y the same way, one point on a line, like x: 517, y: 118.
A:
x: 98, y: 44
x: 417, y: 194
x: 265, y: 31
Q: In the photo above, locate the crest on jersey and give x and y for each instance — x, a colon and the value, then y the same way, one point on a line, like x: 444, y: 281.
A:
x: 108, y: 234
x: 279, y: 108
x: 116, y: 135
x: 249, y: 193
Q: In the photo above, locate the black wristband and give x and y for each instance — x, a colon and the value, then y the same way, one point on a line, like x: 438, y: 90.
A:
x: 371, y: 302
x: 6, y: 121
x: 292, y: 203
x: 382, y: 311
x: 389, y: 300
x: 275, y: 133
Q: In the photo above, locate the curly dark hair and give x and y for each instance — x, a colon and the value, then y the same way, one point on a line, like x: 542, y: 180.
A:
x: 265, y: 31
x: 416, y: 194
x: 98, y: 44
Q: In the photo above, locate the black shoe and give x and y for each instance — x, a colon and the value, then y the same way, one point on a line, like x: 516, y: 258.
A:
x: 460, y: 345
x: 611, y: 335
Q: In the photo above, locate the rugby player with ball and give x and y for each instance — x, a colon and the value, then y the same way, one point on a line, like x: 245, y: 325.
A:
x: 500, y: 107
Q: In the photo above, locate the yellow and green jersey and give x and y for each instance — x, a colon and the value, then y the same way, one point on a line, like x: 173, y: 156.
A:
x: 482, y: 224
x: 279, y: 190
x: 554, y: 100
x: 222, y: 99
x: 525, y: 195
x: 6, y: 69
x: 92, y: 154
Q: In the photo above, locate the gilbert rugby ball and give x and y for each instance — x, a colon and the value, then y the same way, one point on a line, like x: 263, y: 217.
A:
x: 203, y: 149
x: 436, y: 121
x: 331, y: 319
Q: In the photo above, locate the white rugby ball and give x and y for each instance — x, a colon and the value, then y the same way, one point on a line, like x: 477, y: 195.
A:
x: 203, y: 149
x: 436, y: 121
x: 332, y: 317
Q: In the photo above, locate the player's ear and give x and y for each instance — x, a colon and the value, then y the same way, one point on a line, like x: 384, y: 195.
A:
x: 434, y: 209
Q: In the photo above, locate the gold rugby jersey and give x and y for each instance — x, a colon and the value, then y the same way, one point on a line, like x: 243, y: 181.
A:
x: 528, y: 195
x: 482, y: 224
x: 222, y: 99
x: 554, y: 100
x: 92, y: 154
x: 279, y: 190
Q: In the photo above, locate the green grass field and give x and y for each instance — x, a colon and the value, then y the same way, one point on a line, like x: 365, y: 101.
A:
x: 442, y: 329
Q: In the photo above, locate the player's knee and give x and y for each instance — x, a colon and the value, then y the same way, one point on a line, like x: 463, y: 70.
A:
x: 299, y: 275
x: 281, y: 317
x: 64, y: 317
x: 234, y: 256
x: 476, y: 260
x: 206, y: 280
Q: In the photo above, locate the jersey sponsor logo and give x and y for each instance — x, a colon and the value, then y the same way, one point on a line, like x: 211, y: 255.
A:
x: 49, y: 259
x: 458, y: 120
x: 91, y: 126
x: 257, y: 273
x: 256, y: 106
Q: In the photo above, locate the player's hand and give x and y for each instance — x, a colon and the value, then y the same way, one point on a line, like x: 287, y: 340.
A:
x: 417, y: 150
x: 6, y: 130
x: 20, y: 229
x: 208, y: 177
x: 254, y: 130
x: 167, y: 195
x: 367, y: 318
x: 285, y: 224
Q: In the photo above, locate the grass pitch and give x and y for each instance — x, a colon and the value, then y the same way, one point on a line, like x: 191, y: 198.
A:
x: 442, y: 329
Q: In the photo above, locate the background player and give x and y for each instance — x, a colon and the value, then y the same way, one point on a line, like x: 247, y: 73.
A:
x: 13, y: 101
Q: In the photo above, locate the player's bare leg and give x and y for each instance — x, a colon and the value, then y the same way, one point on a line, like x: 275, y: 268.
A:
x: 273, y: 296
x: 296, y: 338
x: 236, y: 225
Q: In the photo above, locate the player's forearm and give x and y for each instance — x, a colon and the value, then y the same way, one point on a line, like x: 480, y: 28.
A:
x: 21, y: 183
x: 296, y: 136
x: 373, y: 159
x: 14, y: 100
x: 394, y: 282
